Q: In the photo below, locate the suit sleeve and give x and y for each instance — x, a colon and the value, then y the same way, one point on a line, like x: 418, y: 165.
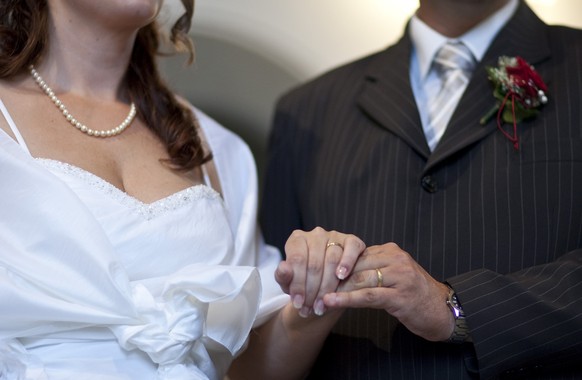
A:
x: 522, y: 323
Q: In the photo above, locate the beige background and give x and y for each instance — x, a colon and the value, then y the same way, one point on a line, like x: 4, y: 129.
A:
x: 251, y: 51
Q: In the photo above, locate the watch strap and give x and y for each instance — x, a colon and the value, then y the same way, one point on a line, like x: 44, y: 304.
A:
x: 461, y: 331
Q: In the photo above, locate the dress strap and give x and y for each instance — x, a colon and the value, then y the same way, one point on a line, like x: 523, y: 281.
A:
x: 211, y: 176
x: 13, y: 127
x: 209, y: 172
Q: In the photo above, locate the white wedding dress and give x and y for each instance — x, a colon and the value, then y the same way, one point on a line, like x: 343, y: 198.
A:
x: 95, y: 284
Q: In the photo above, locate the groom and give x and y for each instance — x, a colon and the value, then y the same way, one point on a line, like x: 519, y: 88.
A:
x: 492, y: 209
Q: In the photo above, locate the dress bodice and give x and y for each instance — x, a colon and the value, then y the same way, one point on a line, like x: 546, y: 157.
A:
x: 151, y: 240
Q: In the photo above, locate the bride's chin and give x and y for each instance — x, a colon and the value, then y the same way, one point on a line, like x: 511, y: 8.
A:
x: 141, y: 11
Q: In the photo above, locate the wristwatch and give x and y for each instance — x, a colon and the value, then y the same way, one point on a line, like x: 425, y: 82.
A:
x: 460, y: 333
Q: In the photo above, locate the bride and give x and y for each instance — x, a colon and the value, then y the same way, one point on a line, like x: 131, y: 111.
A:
x: 128, y: 242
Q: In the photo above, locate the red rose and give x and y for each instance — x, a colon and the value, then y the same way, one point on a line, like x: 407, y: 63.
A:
x: 526, y: 81
x: 519, y: 91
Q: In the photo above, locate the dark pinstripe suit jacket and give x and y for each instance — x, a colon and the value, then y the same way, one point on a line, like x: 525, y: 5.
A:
x: 502, y: 226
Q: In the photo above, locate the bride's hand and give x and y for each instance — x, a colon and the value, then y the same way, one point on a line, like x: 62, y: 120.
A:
x: 316, y: 261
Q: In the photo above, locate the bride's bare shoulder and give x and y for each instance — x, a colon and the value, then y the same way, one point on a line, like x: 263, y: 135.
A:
x: 16, y: 96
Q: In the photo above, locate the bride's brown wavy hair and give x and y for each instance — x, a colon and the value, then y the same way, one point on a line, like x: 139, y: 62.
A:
x: 24, y: 39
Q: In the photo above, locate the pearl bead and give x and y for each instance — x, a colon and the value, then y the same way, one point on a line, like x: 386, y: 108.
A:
x: 77, y: 124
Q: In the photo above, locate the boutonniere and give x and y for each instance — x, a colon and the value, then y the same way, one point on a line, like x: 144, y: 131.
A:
x: 520, y: 93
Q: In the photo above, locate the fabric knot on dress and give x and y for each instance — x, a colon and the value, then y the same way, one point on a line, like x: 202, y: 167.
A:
x: 183, y: 324
x: 168, y: 329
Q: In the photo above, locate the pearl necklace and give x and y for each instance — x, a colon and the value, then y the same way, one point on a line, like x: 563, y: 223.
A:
x: 71, y: 119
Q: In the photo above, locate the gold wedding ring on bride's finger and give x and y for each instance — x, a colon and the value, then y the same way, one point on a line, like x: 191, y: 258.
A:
x: 380, y: 278
x: 333, y: 243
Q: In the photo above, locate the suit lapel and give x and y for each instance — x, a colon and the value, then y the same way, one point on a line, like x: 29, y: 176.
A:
x: 525, y: 36
x: 387, y: 96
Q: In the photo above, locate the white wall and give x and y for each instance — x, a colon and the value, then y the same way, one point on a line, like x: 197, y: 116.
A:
x: 307, y: 37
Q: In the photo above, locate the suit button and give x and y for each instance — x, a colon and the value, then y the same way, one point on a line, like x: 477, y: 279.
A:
x: 429, y: 184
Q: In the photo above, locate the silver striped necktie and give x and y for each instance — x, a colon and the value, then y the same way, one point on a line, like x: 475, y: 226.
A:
x: 454, y: 64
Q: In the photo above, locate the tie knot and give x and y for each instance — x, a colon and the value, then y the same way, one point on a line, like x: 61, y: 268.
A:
x: 454, y: 56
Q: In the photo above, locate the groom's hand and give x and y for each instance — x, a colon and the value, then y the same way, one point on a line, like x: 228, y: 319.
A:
x: 386, y: 277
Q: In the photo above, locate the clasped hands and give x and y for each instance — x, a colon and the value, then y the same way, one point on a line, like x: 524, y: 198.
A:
x: 328, y: 270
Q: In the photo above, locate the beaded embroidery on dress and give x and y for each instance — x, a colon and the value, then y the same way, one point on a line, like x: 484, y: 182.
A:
x: 147, y: 210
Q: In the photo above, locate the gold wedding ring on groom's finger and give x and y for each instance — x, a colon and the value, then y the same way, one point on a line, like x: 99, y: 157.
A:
x: 380, y: 277
x: 333, y: 243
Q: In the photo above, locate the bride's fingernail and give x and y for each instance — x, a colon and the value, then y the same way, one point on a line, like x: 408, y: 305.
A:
x: 341, y: 273
x: 319, y: 308
x: 298, y: 301
x: 304, y: 312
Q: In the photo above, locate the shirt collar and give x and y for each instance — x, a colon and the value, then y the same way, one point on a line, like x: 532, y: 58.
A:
x: 427, y: 41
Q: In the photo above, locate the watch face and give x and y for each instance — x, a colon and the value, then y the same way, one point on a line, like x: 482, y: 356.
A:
x: 454, y: 305
x: 456, y: 311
